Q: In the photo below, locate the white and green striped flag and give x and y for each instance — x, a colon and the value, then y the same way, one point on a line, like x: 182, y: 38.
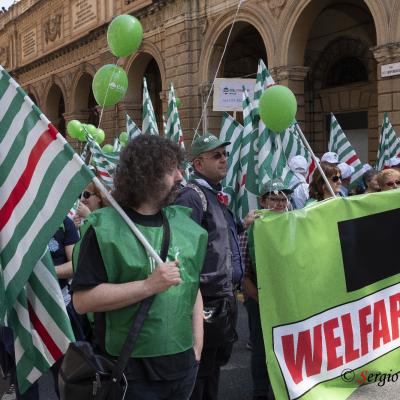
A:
x: 105, y: 163
x: 231, y: 131
x: 272, y: 159
x: 389, y: 144
x: 131, y: 128
x: 40, y: 178
x: 173, y: 129
x: 117, y: 146
x: 248, y: 174
x: 149, y: 123
x: 339, y: 144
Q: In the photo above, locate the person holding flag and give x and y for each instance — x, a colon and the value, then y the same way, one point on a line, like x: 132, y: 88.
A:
x: 114, y: 273
x: 274, y: 196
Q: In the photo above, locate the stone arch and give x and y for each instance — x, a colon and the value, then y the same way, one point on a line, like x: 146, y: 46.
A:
x: 394, y: 26
x: 248, y: 15
x: 55, y: 107
x: 33, y: 94
x: 298, y: 18
x: 139, y: 62
x: 336, y: 50
x: 148, y: 61
x: 55, y: 80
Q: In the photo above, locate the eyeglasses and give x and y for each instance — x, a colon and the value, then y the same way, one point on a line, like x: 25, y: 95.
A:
x: 217, y: 156
x: 336, y: 178
x: 278, y: 200
x: 391, y: 184
x: 86, y: 194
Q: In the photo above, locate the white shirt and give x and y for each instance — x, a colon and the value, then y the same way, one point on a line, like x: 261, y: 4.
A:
x: 300, y: 194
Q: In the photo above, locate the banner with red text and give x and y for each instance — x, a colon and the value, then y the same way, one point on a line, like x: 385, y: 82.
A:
x: 329, y: 290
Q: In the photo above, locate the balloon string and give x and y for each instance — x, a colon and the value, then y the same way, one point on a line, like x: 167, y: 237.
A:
x: 216, y: 73
x: 105, y: 97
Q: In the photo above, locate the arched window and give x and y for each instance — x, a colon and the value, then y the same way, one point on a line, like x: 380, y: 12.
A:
x: 345, y: 71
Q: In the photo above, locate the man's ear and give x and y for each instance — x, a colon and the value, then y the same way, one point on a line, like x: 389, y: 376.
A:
x: 197, y: 164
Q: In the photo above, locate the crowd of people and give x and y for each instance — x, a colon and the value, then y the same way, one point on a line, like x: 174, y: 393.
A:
x: 207, y: 257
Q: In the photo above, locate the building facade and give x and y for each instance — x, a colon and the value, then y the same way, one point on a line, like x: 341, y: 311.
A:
x: 336, y: 56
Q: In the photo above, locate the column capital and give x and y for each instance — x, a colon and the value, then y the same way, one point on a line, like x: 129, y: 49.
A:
x: 389, y: 52
x: 295, y: 73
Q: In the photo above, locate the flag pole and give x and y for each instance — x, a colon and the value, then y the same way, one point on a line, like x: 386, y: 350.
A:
x: 131, y: 225
x: 303, y: 138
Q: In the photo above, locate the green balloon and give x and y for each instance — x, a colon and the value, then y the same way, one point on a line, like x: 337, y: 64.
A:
x: 178, y: 102
x: 82, y: 136
x: 124, y: 35
x: 91, y: 130
x: 278, y: 108
x: 99, y: 136
x: 74, y: 128
x: 123, y: 138
x: 108, y: 148
x: 109, y: 85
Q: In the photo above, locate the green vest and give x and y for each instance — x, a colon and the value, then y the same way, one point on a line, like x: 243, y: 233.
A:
x: 167, y: 328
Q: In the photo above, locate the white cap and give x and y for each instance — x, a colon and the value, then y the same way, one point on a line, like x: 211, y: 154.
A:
x: 366, y: 167
x: 346, y: 170
x: 298, y: 164
x: 394, y: 162
x: 330, y: 157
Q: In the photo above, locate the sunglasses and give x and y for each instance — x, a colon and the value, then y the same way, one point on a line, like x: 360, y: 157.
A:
x: 218, y: 156
x: 397, y: 183
x: 336, y: 178
x: 86, y: 194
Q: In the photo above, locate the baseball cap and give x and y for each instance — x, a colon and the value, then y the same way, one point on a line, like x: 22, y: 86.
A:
x: 330, y: 157
x: 298, y: 164
x: 346, y: 170
x: 274, y: 186
x: 394, y: 162
x: 366, y: 167
x: 205, y: 143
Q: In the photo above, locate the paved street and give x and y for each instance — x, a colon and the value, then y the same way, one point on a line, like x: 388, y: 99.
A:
x: 236, y: 378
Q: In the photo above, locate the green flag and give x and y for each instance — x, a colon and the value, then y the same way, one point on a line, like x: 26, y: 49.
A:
x: 330, y: 295
x: 149, y: 123
x: 231, y: 131
x: 389, y: 144
x: 40, y: 178
x: 338, y: 143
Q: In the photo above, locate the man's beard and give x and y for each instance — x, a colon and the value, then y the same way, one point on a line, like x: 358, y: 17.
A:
x: 170, y: 197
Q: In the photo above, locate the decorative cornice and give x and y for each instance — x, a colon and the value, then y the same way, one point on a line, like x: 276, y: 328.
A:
x: 296, y: 73
x: 386, y: 52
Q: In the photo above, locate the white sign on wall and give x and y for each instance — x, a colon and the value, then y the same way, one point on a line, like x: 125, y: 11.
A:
x: 390, y: 70
x: 228, y: 93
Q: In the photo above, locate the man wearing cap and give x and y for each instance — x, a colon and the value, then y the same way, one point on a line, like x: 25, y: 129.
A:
x: 346, y: 171
x: 298, y: 184
x: 274, y: 196
x: 222, y: 269
x: 330, y: 157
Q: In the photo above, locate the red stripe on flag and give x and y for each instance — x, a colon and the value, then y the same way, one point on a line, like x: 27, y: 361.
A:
x: 52, y: 130
x: 352, y: 159
x: 26, y: 177
x: 47, y: 340
x: 244, y: 180
x: 104, y: 173
x: 311, y: 169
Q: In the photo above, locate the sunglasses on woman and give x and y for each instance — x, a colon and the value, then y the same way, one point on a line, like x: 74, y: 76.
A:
x: 86, y: 194
x: 336, y: 178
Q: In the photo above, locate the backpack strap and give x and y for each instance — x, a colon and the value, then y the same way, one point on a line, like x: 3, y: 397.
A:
x: 200, y: 193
